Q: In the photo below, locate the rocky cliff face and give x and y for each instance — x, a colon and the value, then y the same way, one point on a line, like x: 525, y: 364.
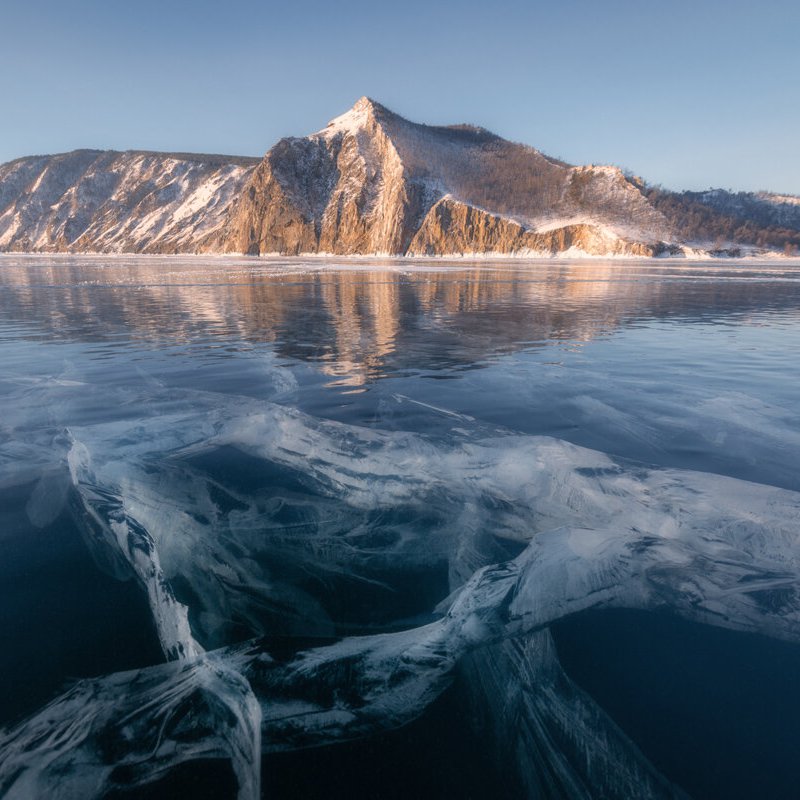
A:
x: 454, y: 227
x: 106, y: 201
x: 371, y: 182
x: 343, y: 190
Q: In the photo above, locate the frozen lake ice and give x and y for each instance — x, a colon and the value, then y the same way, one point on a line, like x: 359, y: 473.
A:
x: 263, y: 514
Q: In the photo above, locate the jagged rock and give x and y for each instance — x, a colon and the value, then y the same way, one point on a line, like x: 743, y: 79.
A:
x: 454, y: 227
x: 373, y: 182
x: 344, y: 190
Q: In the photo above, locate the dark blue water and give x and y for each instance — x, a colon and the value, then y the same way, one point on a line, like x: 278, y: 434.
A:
x: 716, y: 711
x: 679, y: 364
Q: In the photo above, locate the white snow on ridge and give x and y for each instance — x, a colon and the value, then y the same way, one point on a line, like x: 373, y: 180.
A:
x: 788, y: 199
x: 117, y: 202
x: 351, y: 121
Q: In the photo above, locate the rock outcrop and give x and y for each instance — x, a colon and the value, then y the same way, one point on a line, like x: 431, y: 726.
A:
x: 344, y: 190
x: 373, y: 182
x: 454, y: 227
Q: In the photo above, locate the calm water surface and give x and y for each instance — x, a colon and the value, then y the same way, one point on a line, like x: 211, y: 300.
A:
x: 684, y: 364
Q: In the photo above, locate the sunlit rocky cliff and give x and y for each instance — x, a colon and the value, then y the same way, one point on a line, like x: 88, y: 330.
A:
x: 372, y: 182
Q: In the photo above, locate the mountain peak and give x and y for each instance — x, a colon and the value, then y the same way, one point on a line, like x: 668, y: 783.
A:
x: 366, y: 104
x: 363, y: 112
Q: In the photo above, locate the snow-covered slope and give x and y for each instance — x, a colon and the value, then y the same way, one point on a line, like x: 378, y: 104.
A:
x: 719, y: 218
x: 765, y: 208
x: 107, y: 201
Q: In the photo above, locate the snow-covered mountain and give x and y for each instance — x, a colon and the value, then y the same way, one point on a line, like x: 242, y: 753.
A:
x: 372, y: 182
x: 106, y: 201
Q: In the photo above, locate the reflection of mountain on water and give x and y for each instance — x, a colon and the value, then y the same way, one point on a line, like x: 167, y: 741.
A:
x: 357, y: 324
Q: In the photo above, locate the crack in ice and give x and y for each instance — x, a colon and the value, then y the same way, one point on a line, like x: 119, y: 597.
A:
x: 593, y: 533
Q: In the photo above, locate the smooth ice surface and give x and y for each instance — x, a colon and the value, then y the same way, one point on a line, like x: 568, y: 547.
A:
x: 336, y: 485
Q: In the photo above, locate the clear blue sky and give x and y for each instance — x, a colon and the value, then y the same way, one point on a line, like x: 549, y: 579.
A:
x: 686, y: 94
